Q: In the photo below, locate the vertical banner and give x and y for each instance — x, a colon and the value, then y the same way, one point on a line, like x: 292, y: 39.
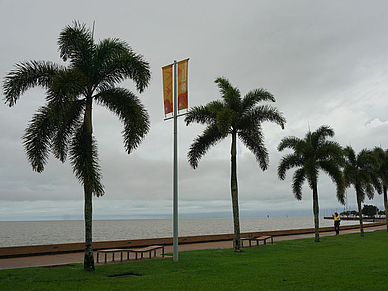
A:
x: 167, y: 89
x: 183, y: 69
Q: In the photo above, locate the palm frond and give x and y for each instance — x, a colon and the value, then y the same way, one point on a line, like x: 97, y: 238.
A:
x: 366, y: 158
x: 68, y: 118
x: 253, y: 140
x: 64, y: 105
x: 361, y: 193
x: 369, y: 190
x: 297, y: 182
x: 332, y: 169
x: 322, y: 133
x: 381, y: 166
x: 230, y: 94
x: 84, y: 159
x: 264, y: 113
x: 330, y: 151
x: 138, y: 69
x: 76, y: 44
x: 115, y: 61
x: 288, y: 162
x: 376, y: 183
x: 204, y: 114
x: 27, y: 75
x: 289, y: 142
x: 255, y: 96
x: 349, y: 175
x: 201, y: 144
x: 350, y: 155
x: 224, y: 85
x: 130, y: 111
x: 37, y: 138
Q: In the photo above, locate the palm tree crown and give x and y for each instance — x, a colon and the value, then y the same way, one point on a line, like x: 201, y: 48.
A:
x: 382, y: 172
x: 235, y: 116
x: 92, y: 73
x: 360, y: 172
x: 311, y: 154
x: 63, y: 126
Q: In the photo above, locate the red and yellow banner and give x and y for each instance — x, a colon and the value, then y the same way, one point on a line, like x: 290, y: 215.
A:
x: 183, y: 69
x: 167, y: 89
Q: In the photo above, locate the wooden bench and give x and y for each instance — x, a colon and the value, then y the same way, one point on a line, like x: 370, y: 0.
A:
x: 112, y: 251
x: 146, y: 250
x: 264, y: 238
x: 136, y: 251
x: 257, y: 239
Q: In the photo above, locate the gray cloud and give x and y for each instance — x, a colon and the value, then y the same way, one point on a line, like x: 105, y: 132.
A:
x: 326, y: 63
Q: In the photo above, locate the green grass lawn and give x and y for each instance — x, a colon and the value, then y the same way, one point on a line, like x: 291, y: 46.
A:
x: 345, y: 262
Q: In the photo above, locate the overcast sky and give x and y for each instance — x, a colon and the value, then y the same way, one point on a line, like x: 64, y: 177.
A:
x: 326, y: 62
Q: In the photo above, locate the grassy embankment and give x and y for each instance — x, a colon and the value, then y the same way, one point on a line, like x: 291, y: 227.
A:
x: 345, y: 262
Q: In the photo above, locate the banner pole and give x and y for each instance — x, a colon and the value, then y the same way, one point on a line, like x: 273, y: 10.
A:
x: 175, y: 193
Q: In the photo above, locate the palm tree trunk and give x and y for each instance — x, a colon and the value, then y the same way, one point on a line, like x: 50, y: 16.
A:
x: 360, y: 214
x: 88, y: 212
x: 88, y: 259
x: 386, y: 205
x: 316, y: 211
x: 234, y: 193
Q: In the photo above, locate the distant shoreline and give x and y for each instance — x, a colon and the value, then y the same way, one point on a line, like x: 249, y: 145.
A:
x: 356, y: 218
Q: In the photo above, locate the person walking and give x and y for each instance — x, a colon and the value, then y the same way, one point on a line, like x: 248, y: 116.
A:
x: 337, y: 221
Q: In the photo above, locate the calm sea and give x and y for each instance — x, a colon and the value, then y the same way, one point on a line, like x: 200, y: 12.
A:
x: 20, y: 233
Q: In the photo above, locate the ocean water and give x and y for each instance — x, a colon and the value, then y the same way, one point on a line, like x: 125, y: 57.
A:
x: 21, y: 233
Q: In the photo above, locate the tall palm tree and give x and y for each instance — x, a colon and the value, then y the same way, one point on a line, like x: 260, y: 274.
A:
x: 311, y: 154
x: 382, y: 171
x: 63, y: 125
x: 235, y: 116
x: 359, y: 172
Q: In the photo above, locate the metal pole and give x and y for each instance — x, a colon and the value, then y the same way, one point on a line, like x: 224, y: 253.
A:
x: 175, y: 206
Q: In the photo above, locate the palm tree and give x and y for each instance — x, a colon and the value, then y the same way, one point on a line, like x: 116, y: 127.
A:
x: 382, y: 171
x: 63, y: 125
x: 311, y: 154
x: 359, y: 172
x: 235, y: 116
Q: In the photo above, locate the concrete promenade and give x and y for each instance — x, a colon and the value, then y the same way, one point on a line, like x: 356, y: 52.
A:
x: 77, y: 257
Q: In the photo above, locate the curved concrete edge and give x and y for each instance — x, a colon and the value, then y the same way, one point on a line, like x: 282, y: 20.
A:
x: 20, y: 251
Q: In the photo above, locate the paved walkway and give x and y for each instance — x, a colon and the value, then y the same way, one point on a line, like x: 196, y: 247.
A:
x: 68, y: 258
